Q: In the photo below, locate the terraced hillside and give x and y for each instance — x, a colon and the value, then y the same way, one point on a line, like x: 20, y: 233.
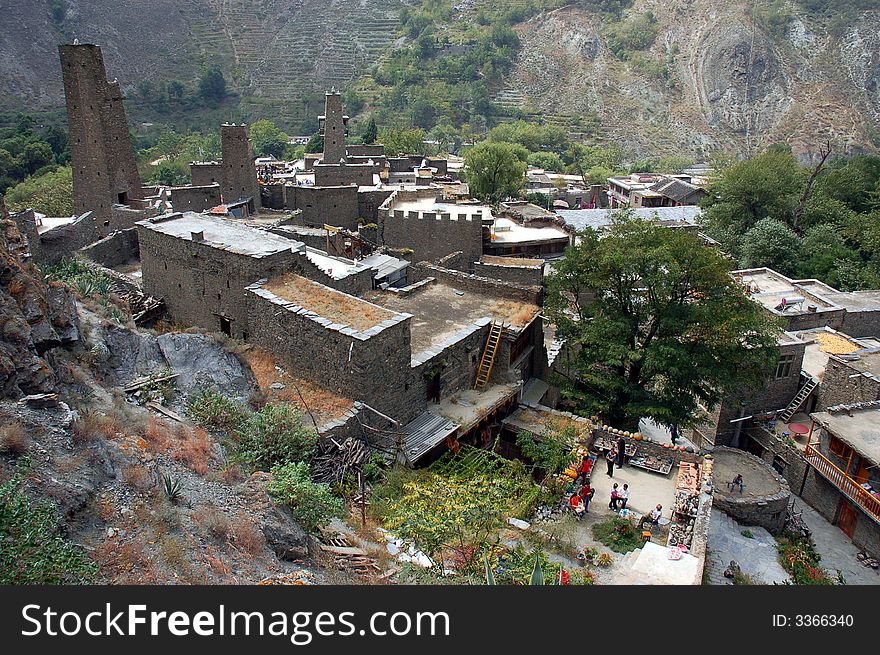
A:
x: 278, y: 55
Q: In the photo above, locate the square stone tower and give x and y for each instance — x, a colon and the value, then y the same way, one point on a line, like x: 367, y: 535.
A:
x: 334, y: 125
x: 238, y: 177
x: 104, y: 168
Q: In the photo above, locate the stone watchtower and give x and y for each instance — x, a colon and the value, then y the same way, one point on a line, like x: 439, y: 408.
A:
x: 238, y: 177
x: 104, y: 168
x: 334, y: 125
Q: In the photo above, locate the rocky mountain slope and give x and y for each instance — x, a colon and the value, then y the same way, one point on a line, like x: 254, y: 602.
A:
x: 730, y: 84
x: 713, y: 78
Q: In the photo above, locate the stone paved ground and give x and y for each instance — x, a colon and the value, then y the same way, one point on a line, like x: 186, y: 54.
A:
x: 838, y: 552
x: 757, y: 557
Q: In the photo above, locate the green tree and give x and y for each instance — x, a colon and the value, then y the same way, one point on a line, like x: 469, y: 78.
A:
x: 212, y: 84
x: 656, y: 323
x: 370, y: 131
x: 50, y: 194
x: 267, y: 138
x: 773, y: 244
x: 312, y: 505
x: 36, y: 155
x: 827, y: 257
x: 176, y: 89
x: 495, y: 171
x: 442, y: 514
x: 315, y: 144
x: 404, y: 141
x: 549, y: 161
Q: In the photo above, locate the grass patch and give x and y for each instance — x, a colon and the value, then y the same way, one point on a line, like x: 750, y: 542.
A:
x: 618, y: 534
x: 747, y: 534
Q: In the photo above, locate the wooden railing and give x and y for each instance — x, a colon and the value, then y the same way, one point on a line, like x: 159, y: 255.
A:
x: 850, y: 487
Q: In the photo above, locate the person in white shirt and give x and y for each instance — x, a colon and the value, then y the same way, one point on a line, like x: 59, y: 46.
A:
x: 656, y: 513
x: 623, y: 496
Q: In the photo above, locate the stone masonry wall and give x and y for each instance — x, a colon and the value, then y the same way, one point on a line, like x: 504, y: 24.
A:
x: 521, y: 275
x: 206, y: 173
x: 200, y: 283
x: 839, y: 388
x: 331, y: 205
x: 340, y: 174
x: 481, y: 285
x: 102, y: 156
x: 63, y: 241
x: 195, y: 198
x: 370, y: 366
x: 118, y: 248
x: 238, y: 177
x: 767, y: 511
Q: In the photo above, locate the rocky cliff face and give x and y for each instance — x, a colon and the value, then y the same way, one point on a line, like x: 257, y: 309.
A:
x: 35, y: 317
x: 729, y: 84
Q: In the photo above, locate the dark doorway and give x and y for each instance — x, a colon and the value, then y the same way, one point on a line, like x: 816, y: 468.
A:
x: 122, y: 198
x: 226, y: 326
x: 434, y: 388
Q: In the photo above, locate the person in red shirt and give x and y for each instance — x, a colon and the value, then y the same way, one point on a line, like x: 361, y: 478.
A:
x: 576, y: 506
x: 587, y: 493
x: 586, y: 467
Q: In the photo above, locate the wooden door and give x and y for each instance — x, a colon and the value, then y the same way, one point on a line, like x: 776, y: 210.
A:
x: 847, y: 519
x: 862, y: 473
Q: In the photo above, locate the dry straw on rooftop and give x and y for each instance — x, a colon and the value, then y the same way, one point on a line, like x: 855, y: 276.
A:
x: 328, y: 303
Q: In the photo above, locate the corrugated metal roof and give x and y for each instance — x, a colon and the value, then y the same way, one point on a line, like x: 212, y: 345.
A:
x: 423, y: 433
x: 384, y: 265
x: 598, y: 218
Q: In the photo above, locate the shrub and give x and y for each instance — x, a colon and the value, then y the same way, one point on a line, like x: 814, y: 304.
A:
x: 216, y: 412
x: 215, y: 523
x: 605, y: 559
x: 618, y: 534
x: 32, y: 548
x: 747, y: 534
x: 274, y: 436
x: 194, y: 450
x: 13, y: 440
x: 312, y: 505
x: 800, y: 559
x: 247, y: 536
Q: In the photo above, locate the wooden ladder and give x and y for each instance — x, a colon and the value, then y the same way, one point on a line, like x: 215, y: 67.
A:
x: 489, y: 352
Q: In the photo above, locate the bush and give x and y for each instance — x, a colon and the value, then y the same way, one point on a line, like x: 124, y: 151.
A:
x: 13, y: 440
x: 800, y: 559
x: 312, y: 505
x: 747, y: 534
x: 618, y: 534
x: 32, y: 548
x: 216, y: 412
x: 274, y: 436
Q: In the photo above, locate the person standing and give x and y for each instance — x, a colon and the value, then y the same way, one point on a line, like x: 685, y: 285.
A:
x: 586, y: 467
x: 673, y: 434
x: 621, y: 451
x: 587, y: 493
x: 610, y: 456
x: 612, y: 504
x: 623, y: 496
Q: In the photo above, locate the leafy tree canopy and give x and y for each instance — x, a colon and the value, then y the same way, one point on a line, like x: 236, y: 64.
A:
x: 656, y: 324
x: 495, y: 171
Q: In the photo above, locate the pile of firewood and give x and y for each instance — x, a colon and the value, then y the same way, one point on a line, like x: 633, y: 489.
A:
x: 336, y: 460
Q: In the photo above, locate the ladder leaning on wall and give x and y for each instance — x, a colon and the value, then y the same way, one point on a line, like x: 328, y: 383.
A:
x: 488, y: 360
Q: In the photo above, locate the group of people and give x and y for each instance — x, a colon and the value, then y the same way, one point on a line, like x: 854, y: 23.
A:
x: 619, y: 497
x: 580, y: 501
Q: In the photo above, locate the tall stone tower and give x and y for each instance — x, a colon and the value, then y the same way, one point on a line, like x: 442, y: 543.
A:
x: 334, y: 125
x: 104, y: 168
x: 238, y: 177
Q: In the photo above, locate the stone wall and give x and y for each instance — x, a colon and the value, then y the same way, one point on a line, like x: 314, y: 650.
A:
x: 63, y: 241
x: 862, y: 323
x: 118, y: 248
x: 206, y: 173
x: 124, y: 218
x: 480, y: 285
x: 195, y: 198
x: 839, y: 388
x: 200, y: 283
x: 371, y: 365
x: 330, y: 205
x: 524, y: 275
x: 238, y: 177
x: 355, y: 283
x: 340, y: 174
x: 369, y: 202
x: 432, y: 235
x: 767, y: 511
x: 102, y: 156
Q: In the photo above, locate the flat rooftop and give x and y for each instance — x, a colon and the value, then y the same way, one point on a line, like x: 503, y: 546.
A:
x: 440, y: 311
x: 865, y: 361
x: 46, y: 223
x: 223, y: 234
x: 433, y: 205
x: 337, y: 268
x: 512, y: 262
x: 506, y: 231
x: 328, y: 303
x: 859, y: 429
x: 821, y: 344
x: 758, y: 476
x: 856, y: 301
x: 768, y: 287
